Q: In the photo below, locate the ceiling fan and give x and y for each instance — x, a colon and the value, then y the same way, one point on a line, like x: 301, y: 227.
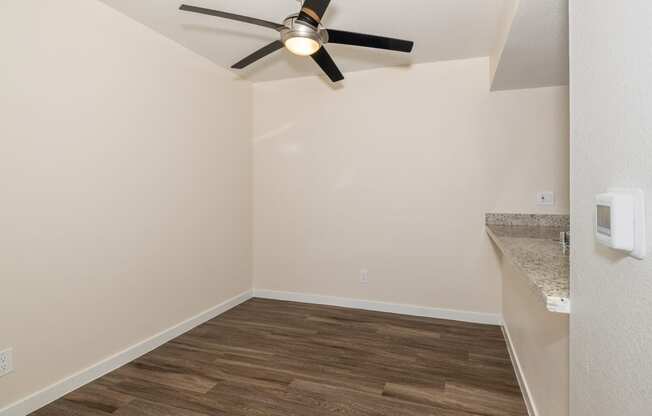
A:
x: 304, y: 34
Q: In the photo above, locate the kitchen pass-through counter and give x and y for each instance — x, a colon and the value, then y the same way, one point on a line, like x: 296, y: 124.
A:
x: 534, y: 269
x: 532, y: 244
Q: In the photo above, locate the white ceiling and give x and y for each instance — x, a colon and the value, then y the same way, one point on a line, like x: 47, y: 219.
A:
x: 535, y: 53
x: 441, y: 29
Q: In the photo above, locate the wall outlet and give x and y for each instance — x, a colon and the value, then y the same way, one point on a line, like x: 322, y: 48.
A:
x: 364, y: 276
x: 545, y: 198
x: 6, y: 362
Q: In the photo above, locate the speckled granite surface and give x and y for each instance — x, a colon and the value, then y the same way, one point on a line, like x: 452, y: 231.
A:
x: 537, y: 252
x: 533, y: 220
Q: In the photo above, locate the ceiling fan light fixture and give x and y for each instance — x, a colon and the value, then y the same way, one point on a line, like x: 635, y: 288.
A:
x: 302, y: 46
x: 301, y: 38
x: 303, y: 34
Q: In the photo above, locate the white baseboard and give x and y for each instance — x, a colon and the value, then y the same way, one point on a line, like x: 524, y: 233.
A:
x: 451, y: 314
x: 61, y: 388
x: 522, y: 382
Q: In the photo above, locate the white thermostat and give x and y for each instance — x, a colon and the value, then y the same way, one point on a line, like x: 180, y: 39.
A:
x: 620, y: 220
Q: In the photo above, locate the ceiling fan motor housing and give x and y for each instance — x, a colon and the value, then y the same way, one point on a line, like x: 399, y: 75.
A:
x: 296, y: 28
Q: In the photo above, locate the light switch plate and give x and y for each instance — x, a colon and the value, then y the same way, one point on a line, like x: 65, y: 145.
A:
x: 546, y: 198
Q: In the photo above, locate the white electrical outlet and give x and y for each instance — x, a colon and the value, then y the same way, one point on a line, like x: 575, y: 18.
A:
x: 545, y: 198
x: 364, y: 276
x: 6, y: 362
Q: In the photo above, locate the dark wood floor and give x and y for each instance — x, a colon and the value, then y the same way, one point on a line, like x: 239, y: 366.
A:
x: 280, y: 358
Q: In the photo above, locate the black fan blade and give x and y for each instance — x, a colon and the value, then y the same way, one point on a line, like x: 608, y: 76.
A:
x: 313, y: 10
x: 369, y: 41
x: 225, y: 15
x: 327, y: 64
x: 259, y: 54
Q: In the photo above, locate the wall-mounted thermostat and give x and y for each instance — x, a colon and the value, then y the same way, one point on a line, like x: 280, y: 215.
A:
x: 620, y: 220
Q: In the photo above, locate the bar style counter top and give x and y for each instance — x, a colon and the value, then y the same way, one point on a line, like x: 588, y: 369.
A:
x: 531, y: 243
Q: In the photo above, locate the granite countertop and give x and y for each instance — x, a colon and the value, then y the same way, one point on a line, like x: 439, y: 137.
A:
x: 532, y: 244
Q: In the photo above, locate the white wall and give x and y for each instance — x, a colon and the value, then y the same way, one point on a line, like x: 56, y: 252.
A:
x: 535, y: 52
x: 507, y: 10
x: 539, y: 339
x: 393, y: 173
x: 124, y: 187
x: 611, y: 336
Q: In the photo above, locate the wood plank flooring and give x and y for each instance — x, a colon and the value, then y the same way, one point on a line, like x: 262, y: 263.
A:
x: 272, y: 358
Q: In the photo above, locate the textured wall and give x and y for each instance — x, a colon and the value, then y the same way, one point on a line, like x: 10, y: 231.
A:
x: 393, y: 173
x: 611, y: 104
x: 124, y: 187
